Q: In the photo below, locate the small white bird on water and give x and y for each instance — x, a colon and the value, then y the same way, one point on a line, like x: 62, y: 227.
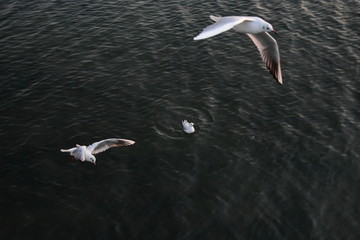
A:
x: 188, y: 127
x: 257, y: 29
x: 84, y: 153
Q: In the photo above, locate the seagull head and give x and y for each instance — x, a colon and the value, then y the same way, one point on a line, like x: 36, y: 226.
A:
x: 92, y: 159
x: 268, y: 28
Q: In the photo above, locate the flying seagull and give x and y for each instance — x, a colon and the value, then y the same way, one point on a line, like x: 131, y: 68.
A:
x: 84, y: 153
x: 257, y: 29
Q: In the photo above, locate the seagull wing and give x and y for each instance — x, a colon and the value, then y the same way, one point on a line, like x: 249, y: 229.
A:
x: 222, y: 24
x: 269, y: 51
x: 103, y: 145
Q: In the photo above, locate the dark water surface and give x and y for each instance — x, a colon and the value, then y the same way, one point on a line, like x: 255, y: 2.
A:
x: 267, y: 161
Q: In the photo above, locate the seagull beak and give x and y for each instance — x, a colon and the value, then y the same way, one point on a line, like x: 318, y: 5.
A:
x: 274, y: 31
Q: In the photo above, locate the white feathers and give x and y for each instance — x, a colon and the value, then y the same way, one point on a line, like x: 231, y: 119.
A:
x: 220, y: 25
x: 84, y: 153
x: 257, y: 29
x: 103, y: 145
x: 188, y: 127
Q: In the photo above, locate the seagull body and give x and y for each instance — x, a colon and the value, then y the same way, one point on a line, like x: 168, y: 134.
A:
x: 188, y: 127
x: 257, y: 29
x: 86, y: 153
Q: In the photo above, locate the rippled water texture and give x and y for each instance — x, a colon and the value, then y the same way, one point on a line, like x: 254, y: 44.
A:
x: 267, y: 161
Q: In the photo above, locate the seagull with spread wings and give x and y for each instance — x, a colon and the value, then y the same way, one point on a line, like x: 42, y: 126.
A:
x: 257, y: 29
x: 86, y: 153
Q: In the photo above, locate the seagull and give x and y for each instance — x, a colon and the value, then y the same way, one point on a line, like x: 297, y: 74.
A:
x: 257, y: 29
x: 84, y: 153
x: 188, y: 127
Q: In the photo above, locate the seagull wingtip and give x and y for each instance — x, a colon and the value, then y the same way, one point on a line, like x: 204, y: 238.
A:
x: 130, y: 142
